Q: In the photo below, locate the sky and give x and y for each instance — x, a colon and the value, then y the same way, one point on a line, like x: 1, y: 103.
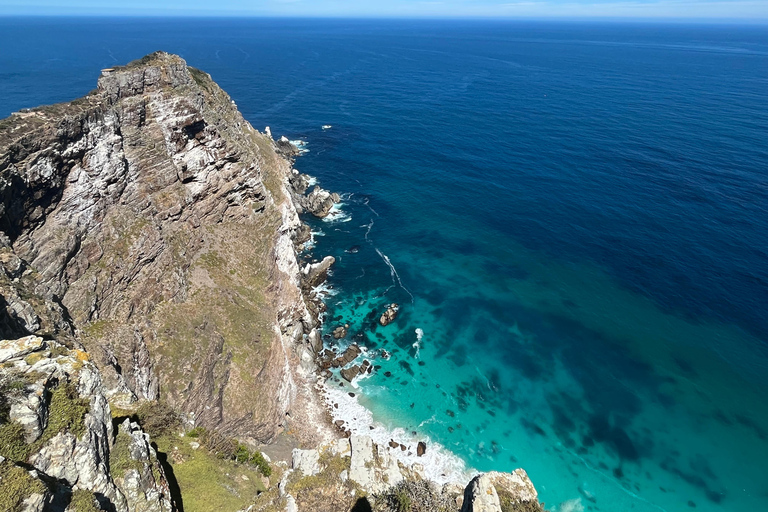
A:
x: 712, y: 10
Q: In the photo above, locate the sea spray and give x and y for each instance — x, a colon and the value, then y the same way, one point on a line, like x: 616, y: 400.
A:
x: 440, y: 465
x: 417, y: 343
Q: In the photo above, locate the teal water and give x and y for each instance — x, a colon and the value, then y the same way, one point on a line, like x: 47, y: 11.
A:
x: 573, y: 215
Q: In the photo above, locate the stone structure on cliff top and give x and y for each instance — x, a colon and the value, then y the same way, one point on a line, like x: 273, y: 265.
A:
x: 148, y: 250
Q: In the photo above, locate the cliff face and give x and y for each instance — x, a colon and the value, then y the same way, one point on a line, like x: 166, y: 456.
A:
x: 151, y: 223
x: 148, y: 241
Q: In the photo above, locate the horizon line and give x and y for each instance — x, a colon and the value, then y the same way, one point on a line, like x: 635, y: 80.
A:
x: 704, y: 20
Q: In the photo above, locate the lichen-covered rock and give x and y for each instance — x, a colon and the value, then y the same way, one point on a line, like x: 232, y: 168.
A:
x: 20, y: 347
x: 371, y: 468
x: 56, y: 397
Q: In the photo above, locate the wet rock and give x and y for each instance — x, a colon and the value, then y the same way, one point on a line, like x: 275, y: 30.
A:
x: 421, y: 448
x: 319, y: 202
x: 315, y: 274
x: 347, y: 356
x: 341, y: 331
x: 389, y: 314
x: 350, y: 373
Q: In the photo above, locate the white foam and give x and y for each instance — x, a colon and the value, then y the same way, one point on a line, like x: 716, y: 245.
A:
x: 336, y: 214
x: 300, y: 145
x: 311, y: 181
x: 393, y: 272
x: 368, y: 231
x: 573, y: 505
x: 440, y: 464
x: 417, y: 344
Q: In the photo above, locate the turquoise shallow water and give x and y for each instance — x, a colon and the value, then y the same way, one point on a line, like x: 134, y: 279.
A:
x: 574, y: 215
x: 553, y: 367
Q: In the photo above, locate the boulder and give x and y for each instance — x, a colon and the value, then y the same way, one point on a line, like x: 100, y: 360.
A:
x: 421, y: 448
x: 341, y: 331
x: 315, y: 274
x: 371, y: 468
x: 389, y: 315
x: 350, y: 373
x: 10, y: 349
x: 347, y: 356
x: 315, y: 341
x: 484, y: 491
x: 319, y: 202
x: 306, y: 461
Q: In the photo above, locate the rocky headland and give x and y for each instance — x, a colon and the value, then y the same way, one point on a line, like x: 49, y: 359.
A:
x: 160, y: 331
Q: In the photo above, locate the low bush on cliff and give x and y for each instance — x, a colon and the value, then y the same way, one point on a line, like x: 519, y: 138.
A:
x: 413, y: 496
x: 230, y: 449
x: 83, y: 501
x: 66, y: 413
x: 16, y: 485
x: 509, y: 503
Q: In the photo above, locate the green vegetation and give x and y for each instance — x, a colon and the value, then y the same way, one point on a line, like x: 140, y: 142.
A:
x: 83, y: 501
x: 12, y: 443
x: 66, y: 412
x: 208, y: 482
x: 157, y: 419
x: 230, y: 449
x: 510, y: 504
x: 16, y: 485
x: 120, y: 460
x: 414, y: 496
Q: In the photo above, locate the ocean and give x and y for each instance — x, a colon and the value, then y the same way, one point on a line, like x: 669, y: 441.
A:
x: 573, y: 218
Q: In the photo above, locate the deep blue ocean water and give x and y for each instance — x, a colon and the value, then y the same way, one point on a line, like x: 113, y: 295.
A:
x: 575, y: 216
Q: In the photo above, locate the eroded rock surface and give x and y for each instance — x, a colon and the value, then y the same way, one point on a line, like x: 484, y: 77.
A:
x: 151, y: 223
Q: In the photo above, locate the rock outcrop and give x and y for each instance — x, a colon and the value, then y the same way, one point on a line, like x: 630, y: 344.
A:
x: 389, y: 315
x: 148, y: 251
x: 149, y: 222
x: 57, y: 426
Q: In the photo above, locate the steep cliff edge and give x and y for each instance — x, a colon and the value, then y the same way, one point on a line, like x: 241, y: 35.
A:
x: 148, y: 258
x: 157, y: 226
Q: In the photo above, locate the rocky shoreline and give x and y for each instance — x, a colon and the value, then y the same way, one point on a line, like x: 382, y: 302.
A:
x: 150, y: 260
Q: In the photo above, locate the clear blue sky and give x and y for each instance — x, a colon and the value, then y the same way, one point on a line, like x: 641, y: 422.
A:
x: 707, y: 9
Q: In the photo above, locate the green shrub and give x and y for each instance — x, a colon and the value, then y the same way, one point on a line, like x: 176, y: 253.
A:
x: 66, y: 412
x: 84, y: 501
x: 16, y: 485
x: 12, y: 443
x: 511, y: 504
x: 258, y: 460
x: 157, y: 418
x: 410, y: 496
x: 120, y: 459
x: 196, y: 432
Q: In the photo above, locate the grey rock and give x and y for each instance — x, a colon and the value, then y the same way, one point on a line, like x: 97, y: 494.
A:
x: 10, y: 349
x: 306, y: 461
x: 316, y: 273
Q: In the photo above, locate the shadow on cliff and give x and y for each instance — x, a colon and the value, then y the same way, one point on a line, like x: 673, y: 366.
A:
x: 170, y: 476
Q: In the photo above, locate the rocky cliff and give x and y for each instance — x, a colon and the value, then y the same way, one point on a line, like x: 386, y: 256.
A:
x: 155, y: 226
x: 150, y: 284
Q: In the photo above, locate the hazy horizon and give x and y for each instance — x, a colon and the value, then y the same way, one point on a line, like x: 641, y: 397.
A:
x: 655, y: 10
